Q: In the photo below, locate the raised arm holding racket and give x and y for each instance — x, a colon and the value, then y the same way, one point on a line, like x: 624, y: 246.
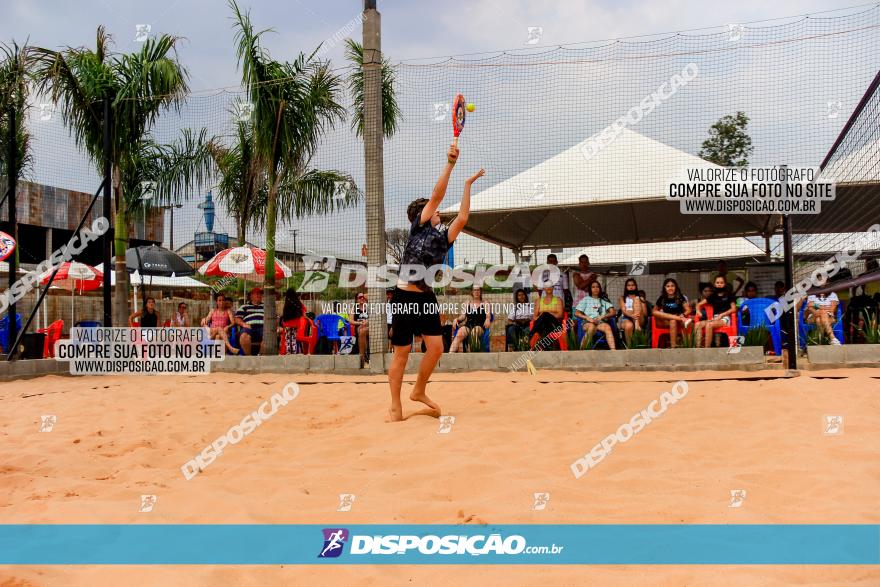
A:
x: 419, y: 313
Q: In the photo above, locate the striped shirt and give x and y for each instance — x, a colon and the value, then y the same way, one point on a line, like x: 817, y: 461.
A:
x: 252, y: 314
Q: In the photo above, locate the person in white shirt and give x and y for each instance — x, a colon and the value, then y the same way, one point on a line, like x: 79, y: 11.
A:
x: 821, y: 310
x: 633, y: 311
x: 518, y: 320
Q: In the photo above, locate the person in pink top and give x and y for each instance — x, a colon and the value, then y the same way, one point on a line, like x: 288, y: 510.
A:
x: 219, y: 320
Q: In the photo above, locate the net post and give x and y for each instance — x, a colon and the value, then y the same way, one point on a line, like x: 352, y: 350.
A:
x: 12, y: 187
x: 107, y: 239
x: 373, y: 172
x: 791, y: 335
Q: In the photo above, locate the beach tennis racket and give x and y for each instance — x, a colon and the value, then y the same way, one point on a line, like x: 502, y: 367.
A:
x: 459, y: 113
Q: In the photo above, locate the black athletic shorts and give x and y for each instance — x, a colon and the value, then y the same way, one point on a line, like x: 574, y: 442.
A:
x: 413, y: 313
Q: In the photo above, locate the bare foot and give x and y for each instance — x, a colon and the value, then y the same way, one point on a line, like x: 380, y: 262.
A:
x: 426, y: 412
x: 433, y: 409
x: 394, y: 415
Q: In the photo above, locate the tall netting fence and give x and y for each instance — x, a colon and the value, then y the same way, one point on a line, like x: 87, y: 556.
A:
x: 580, y: 144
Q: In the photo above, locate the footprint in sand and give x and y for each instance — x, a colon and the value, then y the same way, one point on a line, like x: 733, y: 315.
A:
x: 470, y: 519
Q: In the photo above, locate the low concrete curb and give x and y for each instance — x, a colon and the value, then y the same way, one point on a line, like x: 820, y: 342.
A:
x: 749, y: 359
x: 845, y: 355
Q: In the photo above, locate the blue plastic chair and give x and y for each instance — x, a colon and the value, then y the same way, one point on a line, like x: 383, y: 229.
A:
x: 333, y: 328
x: 4, y: 331
x: 599, y: 337
x: 758, y: 317
x: 234, y: 333
x: 88, y: 324
x: 804, y: 329
x: 486, y: 339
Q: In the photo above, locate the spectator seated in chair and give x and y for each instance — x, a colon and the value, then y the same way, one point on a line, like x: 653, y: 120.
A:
x: 633, y: 311
x: 475, y: 318
x: 596, y: 310
x: 549, y: 312
x: 181, y: 318
x: 734, y: 281
x: 249, y: 318
x: 148, y: 316
x: 723, y: 306
x: 751, y: 292
x: 219, y: 322
x: 361, y: 325
x: 518, y: 321
x: 672, y: 311
x: 821, y: 310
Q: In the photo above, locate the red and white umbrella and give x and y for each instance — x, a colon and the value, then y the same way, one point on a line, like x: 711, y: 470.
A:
x: 75, y: 277
x: 244, y: 262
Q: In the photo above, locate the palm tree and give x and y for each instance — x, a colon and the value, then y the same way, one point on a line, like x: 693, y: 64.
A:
x: 139, y: 86
x: 165, y: 172
x: 294, y: 104
x: 391, y: 113
x: 241, y: 188
x: 14, y: 77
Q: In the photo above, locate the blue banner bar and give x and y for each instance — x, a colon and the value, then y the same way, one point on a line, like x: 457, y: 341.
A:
x: 221, y: 544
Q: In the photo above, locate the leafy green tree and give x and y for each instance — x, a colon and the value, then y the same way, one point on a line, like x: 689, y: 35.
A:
x: 391, y: 113
x: 14, y: 78
x: 293, y: 105
x: 241, y: 187
x: 728, y: 144
x: 139, y: 86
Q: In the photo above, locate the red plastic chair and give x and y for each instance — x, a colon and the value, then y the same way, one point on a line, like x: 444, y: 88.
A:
x: 559, y: 336
x: 53, y: 333
x: 730, y: 330
x: 306, y: 335
x: 657, y: 332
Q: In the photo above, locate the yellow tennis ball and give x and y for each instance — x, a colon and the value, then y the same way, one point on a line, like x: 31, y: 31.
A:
x: 471, y: 107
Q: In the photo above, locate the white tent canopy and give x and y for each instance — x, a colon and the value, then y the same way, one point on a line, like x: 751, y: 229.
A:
x: 617, y: 196
x: 719, y: 248
x: 174, y: 282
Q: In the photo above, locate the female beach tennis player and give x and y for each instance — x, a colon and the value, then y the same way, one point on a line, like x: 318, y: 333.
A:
x: 415, y: 306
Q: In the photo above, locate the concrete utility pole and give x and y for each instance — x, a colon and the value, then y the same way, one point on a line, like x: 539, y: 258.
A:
x: 12, y: 187
x: 373, y: 168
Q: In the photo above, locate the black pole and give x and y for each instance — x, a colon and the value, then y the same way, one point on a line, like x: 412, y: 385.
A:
x: 14, y: 348
x: 790, y: 318
x: 107, y: 243
x: 12, y: 174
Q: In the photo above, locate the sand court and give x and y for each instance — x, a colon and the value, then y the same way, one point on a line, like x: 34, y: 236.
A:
x: 115, y: 439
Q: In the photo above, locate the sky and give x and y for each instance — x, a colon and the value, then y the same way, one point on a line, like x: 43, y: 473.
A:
x: 786, y: 89
x: 411, y: 29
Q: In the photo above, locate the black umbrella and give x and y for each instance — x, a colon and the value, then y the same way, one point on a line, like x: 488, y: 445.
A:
x: 153, y: 260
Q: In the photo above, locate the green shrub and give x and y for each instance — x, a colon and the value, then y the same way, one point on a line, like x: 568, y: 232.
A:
x: 817, y: 336
x: 639, y: 340
x: 757, y: 336
x: 571, y: 337
x: 871, y: 331
x: 689, y: 339
x: 521, y: 343
x: 474, y: 341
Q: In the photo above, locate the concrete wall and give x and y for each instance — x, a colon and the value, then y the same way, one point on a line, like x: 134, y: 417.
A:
x: 846, y: 355
x: 751, y: 358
